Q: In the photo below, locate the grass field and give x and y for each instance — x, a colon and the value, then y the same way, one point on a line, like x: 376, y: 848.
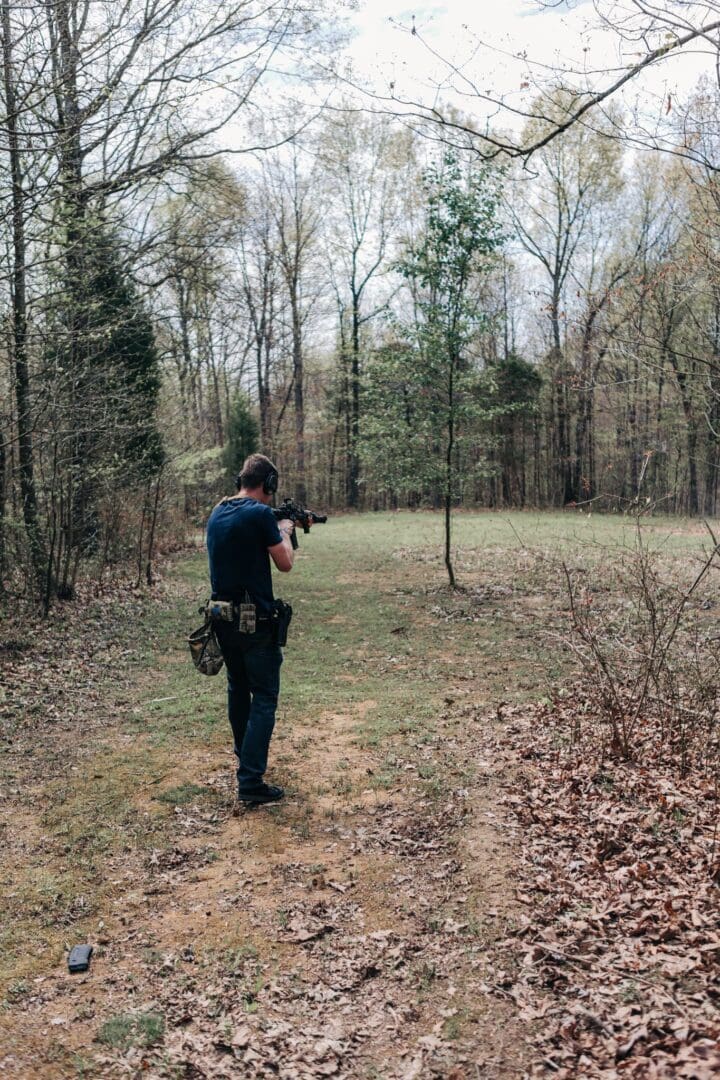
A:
x: 117, y: 791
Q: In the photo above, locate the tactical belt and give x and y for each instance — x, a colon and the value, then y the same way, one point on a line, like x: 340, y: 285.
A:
x: 244, y: 616
x: 236, y: 608
x: 242, y: 613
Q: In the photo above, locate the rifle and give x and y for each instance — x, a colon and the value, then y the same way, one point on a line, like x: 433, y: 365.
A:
x: 298, y: 514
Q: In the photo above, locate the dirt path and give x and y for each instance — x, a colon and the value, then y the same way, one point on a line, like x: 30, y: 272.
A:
x: 353, y: 931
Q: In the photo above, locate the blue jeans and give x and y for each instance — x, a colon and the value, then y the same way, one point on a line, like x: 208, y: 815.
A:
x: 253, y: 676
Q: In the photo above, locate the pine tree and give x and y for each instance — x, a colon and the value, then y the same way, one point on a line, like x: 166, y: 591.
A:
x: 105, y: 371
x: 243, y: 434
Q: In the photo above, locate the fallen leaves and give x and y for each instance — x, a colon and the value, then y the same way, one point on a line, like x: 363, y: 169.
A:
x: 620, y: 943
x: 306, y: 926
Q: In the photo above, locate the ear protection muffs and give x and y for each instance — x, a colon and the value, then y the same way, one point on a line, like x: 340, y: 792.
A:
x: 270, y: 483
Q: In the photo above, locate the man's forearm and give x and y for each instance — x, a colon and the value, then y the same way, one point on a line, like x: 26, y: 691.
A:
x: 287, y: 543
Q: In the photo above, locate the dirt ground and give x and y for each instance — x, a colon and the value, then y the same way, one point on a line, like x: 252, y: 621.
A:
x: 448, y: 890
x: 320, y: 938
x: 360, y: 929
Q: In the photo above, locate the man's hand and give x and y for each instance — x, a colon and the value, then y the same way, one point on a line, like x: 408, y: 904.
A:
x: 282, y: 554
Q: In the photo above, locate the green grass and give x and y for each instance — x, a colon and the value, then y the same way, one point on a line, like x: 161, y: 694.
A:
x: 375, y: 621
x: 134, y: 1029
x: 377, y: 638
x: 185, y: 794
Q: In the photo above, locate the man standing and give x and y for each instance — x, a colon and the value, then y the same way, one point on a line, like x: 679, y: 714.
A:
x: 242, y: 537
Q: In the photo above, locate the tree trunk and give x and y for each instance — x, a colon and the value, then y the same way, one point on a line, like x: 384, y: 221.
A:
x: 262, y: 395
x: 712, y: 457
x: 583, y: 427
x: 299, y: 402
x: 353, y: 454
x: 151, y: 534
x: 266, y: 404
x: 3, y: 468
x: 211, y: 363
x: 693, y: 501
x: 19, y: 312
x: 564, y: 457
x: 449, y: 475
x: 537, y: 483
x: 691, y: 435
x: 659, y: 476
x: 62, y: 23
x: 564, y: 463
x: 188, y: 378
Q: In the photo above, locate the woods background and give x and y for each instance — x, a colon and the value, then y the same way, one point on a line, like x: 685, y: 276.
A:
x: 395, y: 309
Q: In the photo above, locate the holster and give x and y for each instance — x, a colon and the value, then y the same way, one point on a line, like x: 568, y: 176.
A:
x: 280, y: 621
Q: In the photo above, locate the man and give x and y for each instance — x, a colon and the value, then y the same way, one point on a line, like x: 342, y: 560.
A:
x: 242, y: 537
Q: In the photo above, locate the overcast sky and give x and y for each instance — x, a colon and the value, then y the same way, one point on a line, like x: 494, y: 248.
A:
x: 485, y: 39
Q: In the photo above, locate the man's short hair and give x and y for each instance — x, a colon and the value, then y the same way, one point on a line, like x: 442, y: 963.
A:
x: 254, y: 472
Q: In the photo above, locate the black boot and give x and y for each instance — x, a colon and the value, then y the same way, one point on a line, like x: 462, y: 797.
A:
x: 263, y: 793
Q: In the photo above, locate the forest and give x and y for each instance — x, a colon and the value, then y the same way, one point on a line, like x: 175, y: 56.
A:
x: 464, y: 291
x: 401, y: 315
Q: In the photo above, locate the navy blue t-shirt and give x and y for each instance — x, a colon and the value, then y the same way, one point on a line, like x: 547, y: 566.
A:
x: 239, y: 533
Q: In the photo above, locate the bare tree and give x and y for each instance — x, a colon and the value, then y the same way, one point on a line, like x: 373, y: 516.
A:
x: 575, y: 180
x: 297, y: 221
x: 260, y: 286
x: 103, y: 105
x: 363, y: 162
x: 648, y: 33
x: 19, y: 318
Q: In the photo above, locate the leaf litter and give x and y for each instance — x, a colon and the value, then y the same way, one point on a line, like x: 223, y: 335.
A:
x: 384, y: 931
x: 619, y: 875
